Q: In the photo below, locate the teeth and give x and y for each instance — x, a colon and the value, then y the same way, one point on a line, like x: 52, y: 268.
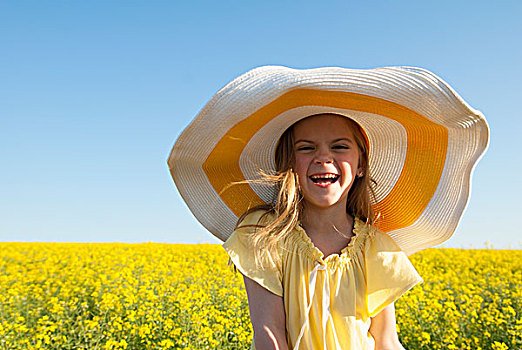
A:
x: 325, y: 176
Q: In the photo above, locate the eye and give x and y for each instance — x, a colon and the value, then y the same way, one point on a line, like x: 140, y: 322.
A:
x: 305, y: 148
x: 340, y: 147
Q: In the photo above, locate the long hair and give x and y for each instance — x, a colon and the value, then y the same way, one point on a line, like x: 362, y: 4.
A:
x: 286, y: 208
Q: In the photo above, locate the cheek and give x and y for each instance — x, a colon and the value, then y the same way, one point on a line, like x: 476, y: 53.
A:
x: 301, y: 166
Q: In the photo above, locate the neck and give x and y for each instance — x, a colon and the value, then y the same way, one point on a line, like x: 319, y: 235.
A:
x: 333, y: 219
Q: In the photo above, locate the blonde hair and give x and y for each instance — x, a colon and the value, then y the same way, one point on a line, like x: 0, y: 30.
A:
x: 286, y: 207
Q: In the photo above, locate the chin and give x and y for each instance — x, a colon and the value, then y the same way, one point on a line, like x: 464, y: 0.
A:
x: 324, y: 204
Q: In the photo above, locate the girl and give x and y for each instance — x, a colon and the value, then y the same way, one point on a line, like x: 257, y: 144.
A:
x: 324, y: 247
x: 319, y: 271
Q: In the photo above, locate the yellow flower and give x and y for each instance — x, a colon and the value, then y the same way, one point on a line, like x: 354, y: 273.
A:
x: 164, y: 296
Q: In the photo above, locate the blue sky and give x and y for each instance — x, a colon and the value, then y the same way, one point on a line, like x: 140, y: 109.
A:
x: 94, y: 93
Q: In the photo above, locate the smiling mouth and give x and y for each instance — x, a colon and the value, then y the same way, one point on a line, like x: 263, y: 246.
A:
x: 324, y: 179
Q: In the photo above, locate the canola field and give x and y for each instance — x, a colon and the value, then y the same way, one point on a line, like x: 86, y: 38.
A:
x: 170, y: 296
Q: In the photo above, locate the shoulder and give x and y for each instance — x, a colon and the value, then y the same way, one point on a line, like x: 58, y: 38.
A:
x: 257, y: 217
x: 375, y: 239
x: 248, y: 225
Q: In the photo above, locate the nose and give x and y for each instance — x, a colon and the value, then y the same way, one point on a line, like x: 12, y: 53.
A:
x: 323, y: 156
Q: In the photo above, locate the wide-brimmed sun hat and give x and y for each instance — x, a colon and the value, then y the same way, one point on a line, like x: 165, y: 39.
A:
x: 424, y: 143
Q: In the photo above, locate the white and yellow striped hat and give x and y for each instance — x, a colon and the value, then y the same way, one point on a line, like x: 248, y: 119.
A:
x: 424, y: 144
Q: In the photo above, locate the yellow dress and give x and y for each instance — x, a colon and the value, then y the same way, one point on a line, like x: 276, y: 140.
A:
x: 328, y: 301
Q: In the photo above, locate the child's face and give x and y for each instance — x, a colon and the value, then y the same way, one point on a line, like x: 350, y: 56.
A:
x: 326, y: 160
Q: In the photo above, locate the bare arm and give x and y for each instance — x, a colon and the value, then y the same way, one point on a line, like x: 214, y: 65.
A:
x: 267, y: 314
x: 384, y: 330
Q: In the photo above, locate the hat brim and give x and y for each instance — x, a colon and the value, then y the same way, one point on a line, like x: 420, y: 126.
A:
x: 424, y: 143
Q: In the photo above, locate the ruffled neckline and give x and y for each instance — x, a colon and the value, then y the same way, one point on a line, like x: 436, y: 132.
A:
x: 304, y: 242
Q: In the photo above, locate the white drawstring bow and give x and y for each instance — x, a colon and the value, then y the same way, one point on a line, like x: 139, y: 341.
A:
x: 325, y: 300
